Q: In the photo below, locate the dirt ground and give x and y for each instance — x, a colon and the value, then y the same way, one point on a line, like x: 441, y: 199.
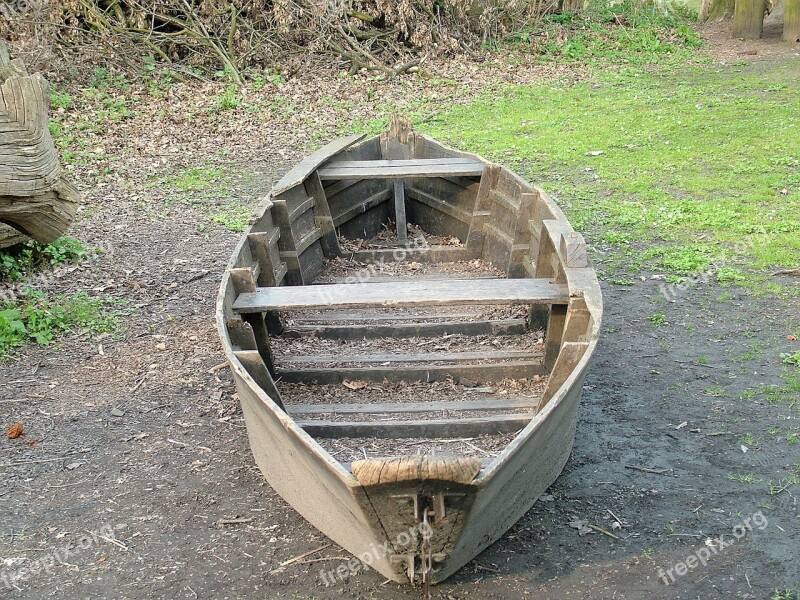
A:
x: 142, y: 484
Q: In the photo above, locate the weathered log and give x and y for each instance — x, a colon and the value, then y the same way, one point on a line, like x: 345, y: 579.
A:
x: 713, y: 10
x: 35, y: 199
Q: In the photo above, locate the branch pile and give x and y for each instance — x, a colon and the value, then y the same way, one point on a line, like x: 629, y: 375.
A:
x: 233, y: 35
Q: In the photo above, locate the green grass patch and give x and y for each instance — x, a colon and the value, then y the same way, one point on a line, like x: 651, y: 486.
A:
x: 233, y: 217
x: 699, y: 167
x: 19, y: 262
x: 207, y: 178
x: 207, y: 188
x: 620, y: 33
x: 37, y: 317
x: 786, y: 393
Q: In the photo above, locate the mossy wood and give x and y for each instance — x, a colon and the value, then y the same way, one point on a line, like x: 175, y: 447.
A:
x: 356, y: 188
x: 748, y: 19
x: 35, y: 199
x: 791, y: 21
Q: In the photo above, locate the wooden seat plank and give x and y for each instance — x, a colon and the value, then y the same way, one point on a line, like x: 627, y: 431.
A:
x: 415, y: 407
x: 403, y: 294
x: 428, y: 357
x: 483, y: 372
x: 390, y: 169
x: 433, y: 428
x: 409, y: 330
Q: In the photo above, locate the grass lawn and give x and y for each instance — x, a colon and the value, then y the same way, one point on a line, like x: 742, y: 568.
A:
x: 677, y: 169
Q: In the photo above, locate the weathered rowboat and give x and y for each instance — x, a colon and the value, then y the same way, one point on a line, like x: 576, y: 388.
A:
x: 411, y: 514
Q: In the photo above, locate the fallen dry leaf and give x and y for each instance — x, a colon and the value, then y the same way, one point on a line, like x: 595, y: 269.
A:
x: 14, y: 431
x: 791, y: 338
x: 354, y: 385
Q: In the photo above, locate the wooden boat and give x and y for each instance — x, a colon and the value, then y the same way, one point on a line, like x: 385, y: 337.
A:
x: 414, y: 515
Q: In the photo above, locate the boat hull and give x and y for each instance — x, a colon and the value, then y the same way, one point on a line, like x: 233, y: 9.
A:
x: 396, y: 513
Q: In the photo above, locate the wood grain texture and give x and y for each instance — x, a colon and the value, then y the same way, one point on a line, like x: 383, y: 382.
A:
x: 377, y: 471
x: 433, y: 428
x: 393, y: 169
x: 484, y: 373
x: 35, y: 199
x: 415, y: 407
x: 403, y: 294
x: 408, y: 330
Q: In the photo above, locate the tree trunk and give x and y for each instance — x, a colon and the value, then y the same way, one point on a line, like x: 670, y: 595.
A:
x: 713, y: 10
x: 791, y: 21
x: 571, y: 6
x: 748, y: 19
x: 35, y: 199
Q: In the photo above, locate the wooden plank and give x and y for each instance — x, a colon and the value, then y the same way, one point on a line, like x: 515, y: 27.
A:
x: 440, y: 205
x: 363, y: 317
x: 427, y: 373
x: 303, y: 243
x: 378, y: 474
x: 298, y: 174
x: 390, y: 169
x: 573, y: 250
x: 403, y: 294
x: 428, y: 357
x: 252, y: 362
x: 409, y: 330
x: 415, y: 407
x: 555, y: 333
x: 400, y: 211
x: 300, y: 209
x: 362, y: 207
x: 571, y: 353
x: 334, y: 187
x: 433, y: 428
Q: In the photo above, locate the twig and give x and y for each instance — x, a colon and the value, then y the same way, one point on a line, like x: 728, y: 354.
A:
x: 615, y: 516
x: 112, y: 541
x: 695, y: 363
x: 322, y: 559
x: 604, y: 531
x: 482, y: 568
x: 141, y: 381
x: 300, y: 557
x: 787, y: 272
x: 234, y: 521
x: 403, y: 68
x: 720, y: 433
x: 647, y: 470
